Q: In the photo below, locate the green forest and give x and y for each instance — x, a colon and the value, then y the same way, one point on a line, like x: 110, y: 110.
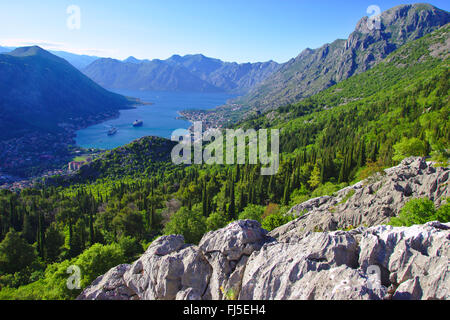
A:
x: 111, y: 211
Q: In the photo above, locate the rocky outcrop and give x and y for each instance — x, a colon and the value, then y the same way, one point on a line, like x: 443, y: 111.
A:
x: 371, y: 202
x: 376, y: 263
x: 110, y: 286
x: 171, y: 269
x: 308, y: 258
x: 241, y: 262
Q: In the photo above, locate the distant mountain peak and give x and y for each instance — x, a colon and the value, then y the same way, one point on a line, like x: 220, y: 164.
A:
x: 132, y: 59
x: 403, y: 16
x: 29, y: 51
x: 36, y: 51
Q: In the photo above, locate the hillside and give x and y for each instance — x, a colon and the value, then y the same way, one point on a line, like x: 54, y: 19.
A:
x: 191, y: 73
x: 244, y: 262
x: 79, y: 61
x: 314, y: 70
x: 144, y: 157
x: 39, y: 91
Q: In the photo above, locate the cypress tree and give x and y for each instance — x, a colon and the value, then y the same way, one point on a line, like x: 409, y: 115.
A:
x: 232, y: 206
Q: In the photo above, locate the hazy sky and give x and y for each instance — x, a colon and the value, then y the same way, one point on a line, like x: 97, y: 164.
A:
x: 232, y: 30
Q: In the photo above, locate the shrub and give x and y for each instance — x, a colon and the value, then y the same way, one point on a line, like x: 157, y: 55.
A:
x: 276, y: 220
x: 130, y: 248
x: 416, y: 211
x: 443, y: 214
x: 191, y: 224
x: 97, y: 260
x: 409, y: 147
x: 252, y: 212
x: 271, y: 208
x: 15, y: 253
x: 369, y: 170
x: 215, y: 221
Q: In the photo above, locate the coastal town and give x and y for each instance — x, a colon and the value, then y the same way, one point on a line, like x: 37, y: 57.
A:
x: 37, y: 155
x: 14, y: 183
x: 217, y: 118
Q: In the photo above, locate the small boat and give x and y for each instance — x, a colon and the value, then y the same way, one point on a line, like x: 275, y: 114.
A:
x: 112, y: 131
x: 138, y: 123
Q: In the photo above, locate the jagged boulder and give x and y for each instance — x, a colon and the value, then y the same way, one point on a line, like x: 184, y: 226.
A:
x: 110, y: 286
x: 171, y: 269
x: 413, y: 261
x: 227, y: 251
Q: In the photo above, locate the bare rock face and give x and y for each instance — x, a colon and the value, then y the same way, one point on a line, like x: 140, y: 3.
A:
x: 109, y: 286
x: 371, y: 202
x: 168, y: 269
x: 313, y: 71
x: 376, y: 263
x: 227, y: 250
x: 171, y: 269
x: 413, y: 261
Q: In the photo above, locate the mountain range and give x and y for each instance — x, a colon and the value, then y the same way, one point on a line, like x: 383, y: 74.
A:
x: 314, y: 70
x: 192, y: 73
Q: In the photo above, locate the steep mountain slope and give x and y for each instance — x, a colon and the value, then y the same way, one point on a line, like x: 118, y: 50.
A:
x: 195, y: 73
x: 79, y: 61
x: 315, y: 70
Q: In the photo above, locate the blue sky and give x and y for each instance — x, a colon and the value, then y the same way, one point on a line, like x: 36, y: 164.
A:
x: 231, y: 30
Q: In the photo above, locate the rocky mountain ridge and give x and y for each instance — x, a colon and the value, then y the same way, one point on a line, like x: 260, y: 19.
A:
x: 243, y: 261
x: 315, y: 70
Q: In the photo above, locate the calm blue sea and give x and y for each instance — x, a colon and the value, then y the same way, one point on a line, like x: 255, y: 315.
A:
x: 159, y: 118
